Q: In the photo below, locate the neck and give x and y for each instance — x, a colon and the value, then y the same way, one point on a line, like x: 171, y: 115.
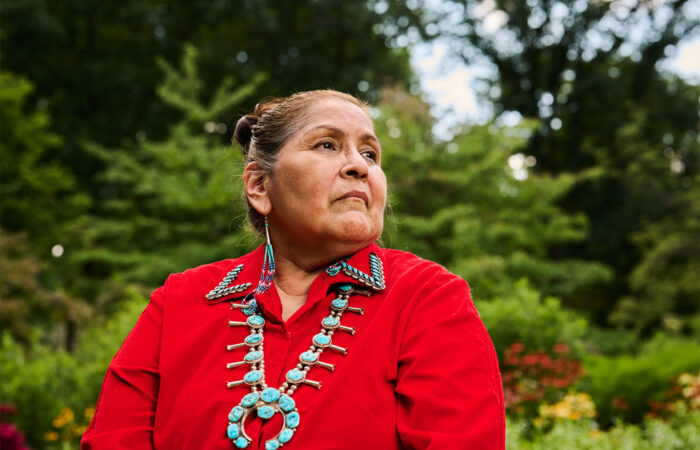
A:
x: 298, y: 265
x: 293, y: 281
x: 293, y: 277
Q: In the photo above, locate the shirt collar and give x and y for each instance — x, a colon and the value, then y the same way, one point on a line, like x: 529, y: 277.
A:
x: 362, y: 272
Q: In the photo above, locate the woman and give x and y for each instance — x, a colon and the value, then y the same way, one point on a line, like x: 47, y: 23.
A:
x: 319, y: 339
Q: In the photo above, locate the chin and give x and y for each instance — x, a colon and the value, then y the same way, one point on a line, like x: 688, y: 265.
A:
x: 359, y: 230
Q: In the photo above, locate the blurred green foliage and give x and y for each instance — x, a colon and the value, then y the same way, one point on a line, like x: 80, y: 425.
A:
x: 114, y: 158
x: 593, y: 74
x: 37, y: 191
x: 459, y: 204
x: 637, y: 379
x: 611, y: 341
x: 44, y: 381
x: 682, y: 432
x: 170, y: 200
x: 523, y: 315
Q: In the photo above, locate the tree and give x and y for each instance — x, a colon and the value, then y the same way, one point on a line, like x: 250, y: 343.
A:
x: 37, y: 193
x: 590, y: 72
x: 167, y: 204
x: 40, y: 211
x: 93, y: 63
x: 461, y: 205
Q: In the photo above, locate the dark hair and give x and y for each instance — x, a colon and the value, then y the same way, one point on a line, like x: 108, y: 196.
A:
x: 262, y: 133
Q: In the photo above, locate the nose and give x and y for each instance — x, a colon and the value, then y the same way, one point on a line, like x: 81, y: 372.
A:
x: 355, y: 165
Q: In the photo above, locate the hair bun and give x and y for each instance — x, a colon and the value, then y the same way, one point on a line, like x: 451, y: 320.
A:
x: 244, y: 131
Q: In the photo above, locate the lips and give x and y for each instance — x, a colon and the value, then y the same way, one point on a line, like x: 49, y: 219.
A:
x: 355, y: 194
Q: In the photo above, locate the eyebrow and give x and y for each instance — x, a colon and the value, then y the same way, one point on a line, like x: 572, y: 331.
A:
x: 366, y: 136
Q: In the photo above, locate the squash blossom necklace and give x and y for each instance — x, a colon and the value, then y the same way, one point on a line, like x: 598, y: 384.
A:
x: 267, y: 401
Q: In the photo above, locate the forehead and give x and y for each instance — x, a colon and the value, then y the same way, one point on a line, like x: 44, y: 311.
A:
x: 338, y: 113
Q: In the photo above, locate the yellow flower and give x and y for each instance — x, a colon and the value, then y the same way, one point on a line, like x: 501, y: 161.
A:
x: 685, y: 379
x: 67, y: 414
x: 51, y: 436
x: 89, y: 412
x: 78, y: 430
x: 573, y: 407
x: 64, y: 417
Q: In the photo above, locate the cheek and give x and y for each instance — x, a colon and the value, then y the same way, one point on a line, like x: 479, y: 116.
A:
x: 297, y: 187
x: 378, y: 187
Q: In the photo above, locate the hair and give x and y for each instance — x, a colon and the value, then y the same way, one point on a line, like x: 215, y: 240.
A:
x: 263, y: 133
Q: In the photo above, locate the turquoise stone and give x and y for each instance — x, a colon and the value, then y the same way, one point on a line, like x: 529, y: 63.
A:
x: 286, y: 403
x: 232, y: 431
x: 286, y: 435
x: 339, y: 303
x: 250, y: 399
x: 272, y: 445
x: 235, y: 414
x: 308, y: 357
x: 252, y: 306
x: 256, y: 320
x: 371, y: 279
x: 295, y: 375
x: 321, y: 340
x: 252, y: 356
x: 253, y: 376
x: 241, y: 442
x: 265, y: 412
x: 253, y: 339
x: 270, y: 395
x: 330, y: 321
x: 344, y: 287
x: 292, y: 419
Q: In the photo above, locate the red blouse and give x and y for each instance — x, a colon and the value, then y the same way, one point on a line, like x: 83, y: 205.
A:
x: 420, y: 371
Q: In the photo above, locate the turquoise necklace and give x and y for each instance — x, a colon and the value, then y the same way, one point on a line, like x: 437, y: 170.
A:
x: 265, y: 401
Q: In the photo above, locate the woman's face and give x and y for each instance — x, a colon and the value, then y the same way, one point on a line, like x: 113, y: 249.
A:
x: 328, y: 185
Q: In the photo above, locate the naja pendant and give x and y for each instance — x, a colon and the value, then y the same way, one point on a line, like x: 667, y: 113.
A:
x: 266, y: 404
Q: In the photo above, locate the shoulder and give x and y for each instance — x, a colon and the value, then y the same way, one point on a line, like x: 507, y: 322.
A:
x: 406, y: 268
x: 205, y: 271
x: 198, y: 281
x: 200, y: 277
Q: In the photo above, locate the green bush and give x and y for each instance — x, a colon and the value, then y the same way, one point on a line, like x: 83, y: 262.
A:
x: 633, y: 381
x: 681, y: 432
x: 44, y: 381
x: 40, y: 384
x: 611, y: 341
x: 526, y: 317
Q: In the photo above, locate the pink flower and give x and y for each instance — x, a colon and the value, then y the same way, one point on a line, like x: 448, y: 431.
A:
x: 11, y: 438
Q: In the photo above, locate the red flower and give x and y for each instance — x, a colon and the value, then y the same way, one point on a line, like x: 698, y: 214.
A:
x: 517, y: 347
x: 8, y: 409
x: 561, y: 348
x: 560, y: 383
x: 620, y: 403
x: 530, y: 359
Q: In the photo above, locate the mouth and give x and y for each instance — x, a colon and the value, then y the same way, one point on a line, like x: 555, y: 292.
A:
x: 355, y: 194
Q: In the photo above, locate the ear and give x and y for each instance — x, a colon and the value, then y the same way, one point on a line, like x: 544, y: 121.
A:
x: 255, y: 186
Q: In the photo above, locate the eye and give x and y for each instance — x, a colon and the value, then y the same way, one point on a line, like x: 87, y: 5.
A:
x: 326, y: 145
x: 370, y: 154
